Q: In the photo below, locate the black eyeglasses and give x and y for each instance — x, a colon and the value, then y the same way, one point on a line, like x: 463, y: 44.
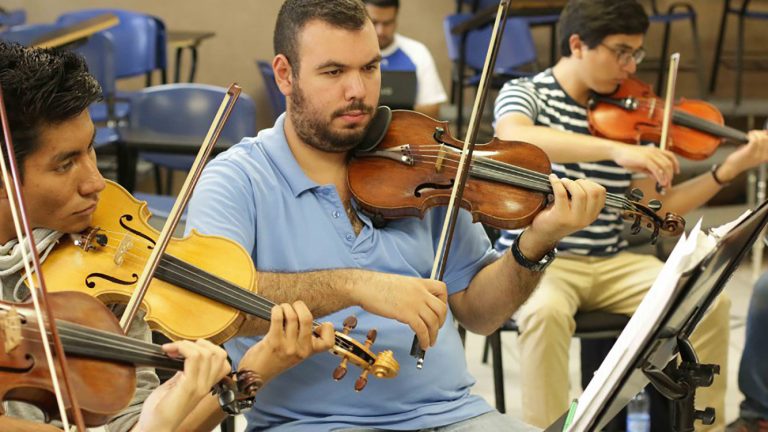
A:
x: 623, y: 55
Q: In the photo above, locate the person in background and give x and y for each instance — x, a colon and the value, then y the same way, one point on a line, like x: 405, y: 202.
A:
x: 405, y: 54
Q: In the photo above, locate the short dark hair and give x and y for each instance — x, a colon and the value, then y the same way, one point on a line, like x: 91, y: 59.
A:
x: 383, y: 3
x: 295, y: 14
x: 594, y: 20
x: 42, y: 87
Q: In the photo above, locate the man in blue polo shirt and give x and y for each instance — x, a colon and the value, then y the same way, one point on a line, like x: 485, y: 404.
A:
x: 401, y: 53
x: 283, y: 195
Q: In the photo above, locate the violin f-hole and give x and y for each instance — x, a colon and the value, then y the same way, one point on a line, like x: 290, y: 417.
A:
x: 431, y: 186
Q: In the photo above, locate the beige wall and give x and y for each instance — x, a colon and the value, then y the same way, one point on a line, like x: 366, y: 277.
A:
x: 244, y: 33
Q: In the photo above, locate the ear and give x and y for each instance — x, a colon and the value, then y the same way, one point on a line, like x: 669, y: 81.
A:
x: 283, y: 74
x: 577, y: 46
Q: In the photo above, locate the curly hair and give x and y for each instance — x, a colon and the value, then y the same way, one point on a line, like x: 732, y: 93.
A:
x: 42, y: 87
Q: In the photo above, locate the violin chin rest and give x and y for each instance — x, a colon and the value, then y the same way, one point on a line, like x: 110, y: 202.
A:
x: 377, y: 129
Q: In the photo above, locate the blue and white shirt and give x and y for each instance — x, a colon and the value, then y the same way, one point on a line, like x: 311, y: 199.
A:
x: 406, y: 54
x: 543, y: 100
x: 257, y: 194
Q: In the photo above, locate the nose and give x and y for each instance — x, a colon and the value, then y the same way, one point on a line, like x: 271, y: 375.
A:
x: 631, y: 67
x: 92, y: 182
x: 355, y: 88
x: 379, y: 29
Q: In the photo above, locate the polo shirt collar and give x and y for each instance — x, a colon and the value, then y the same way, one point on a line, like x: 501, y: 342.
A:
x: 276, y: 147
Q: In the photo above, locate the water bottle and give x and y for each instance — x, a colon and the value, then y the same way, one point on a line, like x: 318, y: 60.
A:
x: 638, y: 413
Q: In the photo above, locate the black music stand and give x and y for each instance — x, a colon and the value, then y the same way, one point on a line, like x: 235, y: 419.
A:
x: 655, y: 359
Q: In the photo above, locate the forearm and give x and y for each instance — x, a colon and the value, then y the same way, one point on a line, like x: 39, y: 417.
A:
x: 498, y: 290
x: 560, y: 146
x: 206, y: 416
x: 684, y: 197
x: 323, y: 291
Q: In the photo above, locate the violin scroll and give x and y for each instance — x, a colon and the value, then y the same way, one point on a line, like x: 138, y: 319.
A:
x: 382, y: 365
x: 647, y: 216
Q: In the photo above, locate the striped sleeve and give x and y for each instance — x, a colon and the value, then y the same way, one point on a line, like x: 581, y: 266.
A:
x: 517, y: 96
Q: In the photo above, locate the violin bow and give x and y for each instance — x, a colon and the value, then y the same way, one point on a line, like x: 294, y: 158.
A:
x: 446, y: 236
x: 225, y: 110
x: 12, y: 184
x: 669, y: 96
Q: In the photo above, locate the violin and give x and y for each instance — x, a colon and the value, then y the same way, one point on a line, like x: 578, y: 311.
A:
x: 203, y: 288
x: 412, y: 168
x: 633, y: 113
x: 100, y: 357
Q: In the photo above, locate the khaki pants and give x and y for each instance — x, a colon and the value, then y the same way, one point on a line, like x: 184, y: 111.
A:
x: 611, y: 284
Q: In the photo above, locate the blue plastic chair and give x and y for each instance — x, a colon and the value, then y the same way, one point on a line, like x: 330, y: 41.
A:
x: 140, y: 49
x: 137, y: 40
x: 468, y: 51
x: 276, y: 97
x: 98, y: 51
x: 13, y: 17
x: 186, y: 110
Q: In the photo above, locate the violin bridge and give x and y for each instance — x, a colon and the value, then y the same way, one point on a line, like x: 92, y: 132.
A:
x: 440, y: 158
x: 122, y: 249
x: 10, y: 324
x: 652, y: 108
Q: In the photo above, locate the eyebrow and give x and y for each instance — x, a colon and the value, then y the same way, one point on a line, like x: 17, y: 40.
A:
x: 61, y: 157
x: 335, y: 64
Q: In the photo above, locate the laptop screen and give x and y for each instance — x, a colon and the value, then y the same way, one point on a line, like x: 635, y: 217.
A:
x: 398, y: 89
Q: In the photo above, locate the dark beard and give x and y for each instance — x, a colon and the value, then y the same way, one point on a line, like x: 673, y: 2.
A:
x: 317, y: 133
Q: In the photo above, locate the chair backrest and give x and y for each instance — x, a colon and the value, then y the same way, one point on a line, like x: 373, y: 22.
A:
x: 276, y: 98
x: 517, y: 45
x: 13, y: 17
x: 187, y: 109
x: 26, y: 34
x: 98, y: 51
x: 139, y: 39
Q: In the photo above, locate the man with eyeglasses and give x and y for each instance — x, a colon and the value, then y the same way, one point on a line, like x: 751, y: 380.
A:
x: 601, y: 44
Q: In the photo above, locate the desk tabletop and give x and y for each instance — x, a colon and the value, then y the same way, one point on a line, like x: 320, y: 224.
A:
x: 183, y: 39
x: 77, y: 31
x: 162, y: 142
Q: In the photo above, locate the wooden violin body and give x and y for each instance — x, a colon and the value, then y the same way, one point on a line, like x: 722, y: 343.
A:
x: 413, y: 167
x: 203, y: 288
x: 102, y: 387
x: 633, y: 114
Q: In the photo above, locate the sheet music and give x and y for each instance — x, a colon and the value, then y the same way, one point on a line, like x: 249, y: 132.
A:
x: 689, y: 251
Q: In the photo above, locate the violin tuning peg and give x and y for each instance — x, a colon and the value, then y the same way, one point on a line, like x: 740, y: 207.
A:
x: 340, y: 371
x: 654, y: 205
x: 635, y: 194
x: 371, y: 337
x: 350, y: 323
x: 362, y: 381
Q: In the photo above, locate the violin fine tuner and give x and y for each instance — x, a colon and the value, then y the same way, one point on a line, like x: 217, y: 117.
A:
x: 385, y: 365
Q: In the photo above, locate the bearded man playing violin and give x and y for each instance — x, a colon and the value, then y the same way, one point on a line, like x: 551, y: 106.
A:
x: 283, y: 195
x: 47, y: 93
x: 601, y: 42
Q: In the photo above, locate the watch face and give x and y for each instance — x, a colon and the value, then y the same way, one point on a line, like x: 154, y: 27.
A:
x: 535, y: 266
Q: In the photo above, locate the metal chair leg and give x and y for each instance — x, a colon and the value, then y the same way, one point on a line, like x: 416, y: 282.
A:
x: 719, y: 47
x: 498, y: 371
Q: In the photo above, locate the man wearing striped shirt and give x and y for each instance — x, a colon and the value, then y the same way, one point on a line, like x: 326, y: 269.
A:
x: 601, y: 42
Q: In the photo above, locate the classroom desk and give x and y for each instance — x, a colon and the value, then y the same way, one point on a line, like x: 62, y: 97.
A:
x: 135, y: 141
x: 75, y: 32
x: 181, y: 40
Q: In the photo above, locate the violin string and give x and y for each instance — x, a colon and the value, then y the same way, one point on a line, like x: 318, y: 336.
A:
x: 528, y: 178
x: 219, y: 289
x: 75, y: 335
